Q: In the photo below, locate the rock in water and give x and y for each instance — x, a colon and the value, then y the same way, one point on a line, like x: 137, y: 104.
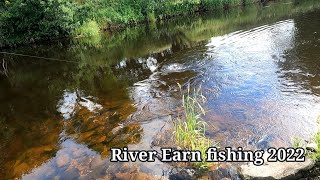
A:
x: 264, y: 143
x: 275, y: 170
x: 62, y: 160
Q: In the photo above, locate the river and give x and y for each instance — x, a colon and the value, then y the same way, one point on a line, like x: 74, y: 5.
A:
x: 64, y: 104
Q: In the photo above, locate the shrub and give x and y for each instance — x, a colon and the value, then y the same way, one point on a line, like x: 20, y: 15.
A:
x: 23, y: 21
x: 87, y: 29
x: 29, y: 20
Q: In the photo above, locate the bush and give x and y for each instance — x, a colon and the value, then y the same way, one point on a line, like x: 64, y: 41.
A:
x: 28, y: 20
x: 23, y: 21
x: 87, y: 29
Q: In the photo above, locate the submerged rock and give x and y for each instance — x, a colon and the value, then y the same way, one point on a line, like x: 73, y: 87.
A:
x: 19, y: 169
x: 116, y: 130
x: 137, y: 175
x: 264, y: 143
x: 276, y: 170
x: 63, y: 160
x: 185, y: 174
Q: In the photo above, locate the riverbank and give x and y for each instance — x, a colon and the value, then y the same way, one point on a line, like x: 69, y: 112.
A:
x: 47, y: 20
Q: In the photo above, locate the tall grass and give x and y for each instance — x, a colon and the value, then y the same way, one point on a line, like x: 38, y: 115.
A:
x: 190, y: 132
x: 316, y: 154
x: 316, y: 139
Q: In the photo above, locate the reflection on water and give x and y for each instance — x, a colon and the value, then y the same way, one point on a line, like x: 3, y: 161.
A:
x: 244, y: 66
x: 258, y: 68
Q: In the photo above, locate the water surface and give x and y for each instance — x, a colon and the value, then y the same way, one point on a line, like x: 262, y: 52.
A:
x: 257, y: 66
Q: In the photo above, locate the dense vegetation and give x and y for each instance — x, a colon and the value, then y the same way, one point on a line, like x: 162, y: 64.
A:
x: 23, y: 21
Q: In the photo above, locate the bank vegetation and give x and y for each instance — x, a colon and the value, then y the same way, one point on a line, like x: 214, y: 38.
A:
x: 25, y: 21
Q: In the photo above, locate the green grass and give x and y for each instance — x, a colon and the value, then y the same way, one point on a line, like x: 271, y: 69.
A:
x: 298, y: 143
x: 190, y: 132
x: 316, y: 155
x: 316, y: 139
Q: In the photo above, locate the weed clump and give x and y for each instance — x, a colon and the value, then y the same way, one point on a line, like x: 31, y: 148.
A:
x: 314, y: 152
x: 316, y: 140
x: 316, y: 155
x: 190, y: 132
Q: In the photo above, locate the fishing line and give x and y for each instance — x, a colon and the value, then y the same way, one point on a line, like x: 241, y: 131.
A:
x: 38, y: 57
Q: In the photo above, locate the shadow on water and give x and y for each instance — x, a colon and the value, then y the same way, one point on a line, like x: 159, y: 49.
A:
x: 258, y: 67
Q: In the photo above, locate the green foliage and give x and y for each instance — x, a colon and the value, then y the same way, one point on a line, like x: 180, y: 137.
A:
x: 316, y: 154
x: 190, y: 133
x: 29, y: 20
x: 88, y: 29
x: 297, y: 142
x: 316, y: 139
x: 23, y: 21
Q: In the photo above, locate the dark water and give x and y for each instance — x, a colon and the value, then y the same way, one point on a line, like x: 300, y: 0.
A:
x: 258, y: 68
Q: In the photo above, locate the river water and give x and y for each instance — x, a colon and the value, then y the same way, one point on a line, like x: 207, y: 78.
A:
x: 258, y: 68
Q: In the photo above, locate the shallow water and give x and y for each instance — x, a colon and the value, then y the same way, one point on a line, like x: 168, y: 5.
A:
x: 257, y: 66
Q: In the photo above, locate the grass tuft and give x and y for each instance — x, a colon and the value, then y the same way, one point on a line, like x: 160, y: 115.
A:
x: 316, y: 139
x: 190, y: 132
x: 313, y: 154
x: 297, y: 142
x: 316, y: 155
